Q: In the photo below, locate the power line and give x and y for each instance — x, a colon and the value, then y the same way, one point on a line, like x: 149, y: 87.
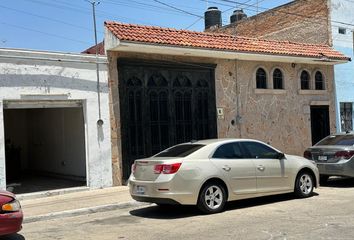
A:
x: 244, y: 3
x: 181, y: 10
x: 178, y: 9
x: 103, y: 14
x: 200, y: 18
x: 246, y: 8
x: 195, y: 22
x: 44, y: 17
x: 310, y: 19
x: 58, y: 6
x: 45, y: 33
x: 144, y: 6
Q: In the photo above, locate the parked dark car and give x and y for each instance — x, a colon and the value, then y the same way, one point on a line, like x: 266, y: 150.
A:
x: 333, y: 155
x: 11, y: 215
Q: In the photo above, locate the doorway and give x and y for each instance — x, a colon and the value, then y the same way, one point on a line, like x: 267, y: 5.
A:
x: 44, y: 148
x: 164, y: 104
x: 319, y: 123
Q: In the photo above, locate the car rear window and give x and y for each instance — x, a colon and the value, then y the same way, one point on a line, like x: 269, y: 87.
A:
x: 342, y: 140
x: 180, y: 150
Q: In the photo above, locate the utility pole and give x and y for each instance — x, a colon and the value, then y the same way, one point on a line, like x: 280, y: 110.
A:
x: 94, y: 4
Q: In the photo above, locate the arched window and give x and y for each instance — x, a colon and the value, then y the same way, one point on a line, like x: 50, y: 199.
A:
x: 277, y: 79
x: 305, y: 80
x: 261, y: 78
x: 319, y: 83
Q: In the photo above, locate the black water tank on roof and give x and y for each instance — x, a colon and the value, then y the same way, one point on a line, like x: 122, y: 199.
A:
x: 237, y: 16
x: 212, y: 17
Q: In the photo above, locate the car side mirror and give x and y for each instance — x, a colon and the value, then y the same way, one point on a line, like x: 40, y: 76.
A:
x: 281, y: 156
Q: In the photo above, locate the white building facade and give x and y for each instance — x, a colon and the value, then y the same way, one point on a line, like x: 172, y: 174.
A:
x: 342, y: 20
x: 50, y: 107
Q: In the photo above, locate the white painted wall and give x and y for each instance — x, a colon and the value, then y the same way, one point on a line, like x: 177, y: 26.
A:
x: 52, y: 76
x: 342, y: 17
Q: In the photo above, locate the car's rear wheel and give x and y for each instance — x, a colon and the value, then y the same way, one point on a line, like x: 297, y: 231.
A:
x: 212, y: 198
x: 304, y: 184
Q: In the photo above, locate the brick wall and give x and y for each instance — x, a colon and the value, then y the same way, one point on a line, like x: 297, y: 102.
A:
x: 300, y: 21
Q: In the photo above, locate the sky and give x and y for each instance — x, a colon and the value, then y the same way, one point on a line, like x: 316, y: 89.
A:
x: 67, y: 25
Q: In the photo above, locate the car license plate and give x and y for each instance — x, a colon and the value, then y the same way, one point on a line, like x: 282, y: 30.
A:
x: 322, y: 158
x: 140, y: 189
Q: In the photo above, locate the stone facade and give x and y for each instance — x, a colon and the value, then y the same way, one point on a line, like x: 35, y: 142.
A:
x: 315, y: 21
x: 115, y: 119
x: 296, y: 21
x: 279, y: 117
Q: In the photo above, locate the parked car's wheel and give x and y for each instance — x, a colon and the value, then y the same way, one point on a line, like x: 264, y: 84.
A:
x: 323, y: 179
x: 212, y: 198
x: 304, y: 184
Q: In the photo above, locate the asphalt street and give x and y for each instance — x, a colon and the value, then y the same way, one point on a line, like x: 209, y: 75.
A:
x: 329, y: 214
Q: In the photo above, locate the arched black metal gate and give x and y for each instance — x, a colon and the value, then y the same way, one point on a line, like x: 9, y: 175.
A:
x: 162, y: 105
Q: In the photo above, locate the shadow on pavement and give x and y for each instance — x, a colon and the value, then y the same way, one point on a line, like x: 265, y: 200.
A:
x: 255, y: 202
x: 339, y: 182
x: 179, y: 211
x: 12, y: 237
x: 166, y: 212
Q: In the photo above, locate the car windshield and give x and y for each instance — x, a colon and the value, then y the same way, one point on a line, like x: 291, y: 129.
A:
x: 342, y: 140
x: 180, y: 150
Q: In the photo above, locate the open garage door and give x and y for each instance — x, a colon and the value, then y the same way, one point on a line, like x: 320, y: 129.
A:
x: 44, y: 145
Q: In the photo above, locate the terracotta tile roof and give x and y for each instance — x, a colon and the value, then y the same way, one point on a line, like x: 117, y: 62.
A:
x: 92, y: 50
x: 217, y: 41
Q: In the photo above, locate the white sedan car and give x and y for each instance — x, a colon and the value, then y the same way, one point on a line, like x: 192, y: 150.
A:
x: 208, y: 173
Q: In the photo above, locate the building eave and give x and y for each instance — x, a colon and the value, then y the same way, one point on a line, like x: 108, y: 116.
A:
x: 36, y: 55
x: 149, y: 48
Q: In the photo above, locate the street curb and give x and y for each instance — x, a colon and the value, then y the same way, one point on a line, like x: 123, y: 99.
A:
x: 82, y: 211
x: 43, y: 194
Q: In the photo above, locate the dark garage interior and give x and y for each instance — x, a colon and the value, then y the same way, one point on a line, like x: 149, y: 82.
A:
x: 44, y: 148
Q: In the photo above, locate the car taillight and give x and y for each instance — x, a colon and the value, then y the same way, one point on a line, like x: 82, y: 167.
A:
x: 344, y: 154
x: 133, y: 167
x: 308, y: 155
x: 166, y: 168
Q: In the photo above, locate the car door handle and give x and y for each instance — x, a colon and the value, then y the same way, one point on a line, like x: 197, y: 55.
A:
x: 261, y: 168
x: 226, y: 168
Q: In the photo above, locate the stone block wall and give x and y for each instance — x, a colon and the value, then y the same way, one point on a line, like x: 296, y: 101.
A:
x: 299, y: 21
x: 115, y: 120
x: 278, y: 117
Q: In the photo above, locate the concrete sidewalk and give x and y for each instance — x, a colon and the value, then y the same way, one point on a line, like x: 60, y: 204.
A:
x: 75, y: 203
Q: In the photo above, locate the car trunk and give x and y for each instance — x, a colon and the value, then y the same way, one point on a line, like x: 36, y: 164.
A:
x: 144, y: 168
x: 326, y: 154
